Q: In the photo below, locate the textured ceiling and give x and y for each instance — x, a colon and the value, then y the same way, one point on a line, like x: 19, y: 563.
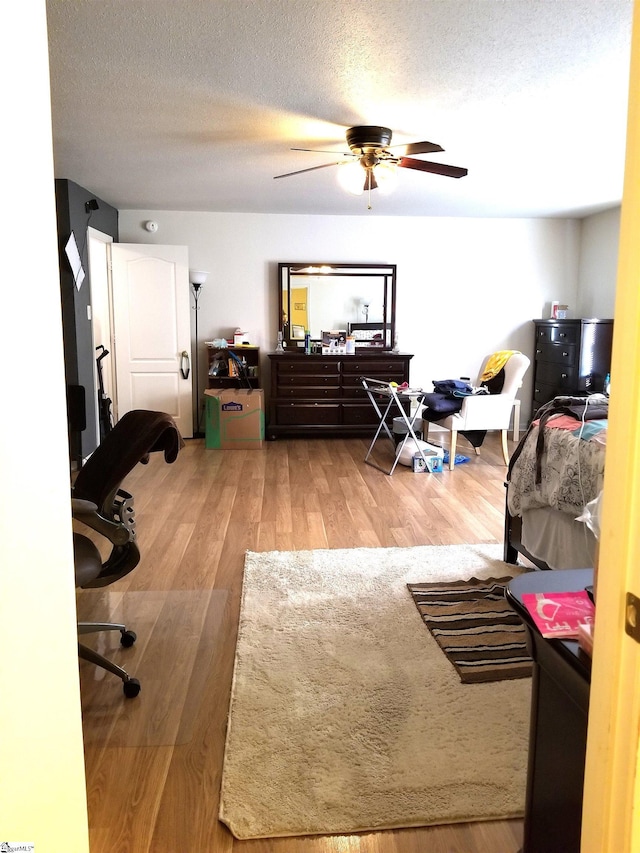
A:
x: 195, y: 104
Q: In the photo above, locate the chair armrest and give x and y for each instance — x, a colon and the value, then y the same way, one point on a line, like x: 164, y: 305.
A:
x: 81, y: 507
x: 87, y: 513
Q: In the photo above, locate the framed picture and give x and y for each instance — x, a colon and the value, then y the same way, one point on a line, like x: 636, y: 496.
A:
x: 368, y: 334
x: 297, y: 332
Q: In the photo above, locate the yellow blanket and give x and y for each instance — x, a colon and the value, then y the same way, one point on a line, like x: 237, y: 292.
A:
x: 496, y: 362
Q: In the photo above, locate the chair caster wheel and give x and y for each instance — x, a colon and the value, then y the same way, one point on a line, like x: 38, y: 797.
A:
x: 128, y: 638
x: 131, y: 688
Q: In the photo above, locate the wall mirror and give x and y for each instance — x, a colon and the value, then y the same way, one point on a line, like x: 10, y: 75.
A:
x: 321, y: 297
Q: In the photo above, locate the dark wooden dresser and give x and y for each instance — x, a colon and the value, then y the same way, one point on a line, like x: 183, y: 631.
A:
x: 324, y: 394
x: 572, y: 357
x: 560, y: 692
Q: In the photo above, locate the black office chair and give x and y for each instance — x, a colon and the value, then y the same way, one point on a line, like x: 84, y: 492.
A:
x: 100, y: 503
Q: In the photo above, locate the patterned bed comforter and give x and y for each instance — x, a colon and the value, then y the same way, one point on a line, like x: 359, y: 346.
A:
x: 572, y: 467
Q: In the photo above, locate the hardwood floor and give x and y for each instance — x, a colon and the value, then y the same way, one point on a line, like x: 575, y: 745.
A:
x: 154, y: 763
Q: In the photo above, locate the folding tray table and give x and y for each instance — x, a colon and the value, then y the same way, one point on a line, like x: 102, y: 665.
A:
x: 393, y: 396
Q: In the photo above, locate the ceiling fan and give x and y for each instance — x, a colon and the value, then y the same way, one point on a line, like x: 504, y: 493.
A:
x: 371, y: 150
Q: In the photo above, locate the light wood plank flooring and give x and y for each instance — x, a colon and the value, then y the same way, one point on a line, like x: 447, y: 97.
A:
x: 154, y: 763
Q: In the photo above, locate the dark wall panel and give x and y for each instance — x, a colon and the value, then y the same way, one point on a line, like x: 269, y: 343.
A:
x: 73, y: 205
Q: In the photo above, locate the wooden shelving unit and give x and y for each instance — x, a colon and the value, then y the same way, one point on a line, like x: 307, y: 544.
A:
x: 224, y: 367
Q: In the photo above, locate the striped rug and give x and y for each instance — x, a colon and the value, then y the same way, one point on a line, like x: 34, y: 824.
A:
x: 475, y: 627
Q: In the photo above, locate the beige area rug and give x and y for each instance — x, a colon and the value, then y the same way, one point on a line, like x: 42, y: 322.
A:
x: 345, y: 714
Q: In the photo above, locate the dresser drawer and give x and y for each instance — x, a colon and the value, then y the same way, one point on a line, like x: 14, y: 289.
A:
x: 357, y: 392
x: 308, y: 380
x: 308, y: 414
x: 543, y: 393
x: 352, y: 382
x: 558, y: 334
x: 555, y: 375
x: 301, y: 365
x: 362, y: 415
x: 375, y: 367
x: 556, y: 353
x: 301, y: 392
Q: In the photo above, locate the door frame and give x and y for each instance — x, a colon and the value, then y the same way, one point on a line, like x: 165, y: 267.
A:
x: 610, y: 817
x: 101, y: 300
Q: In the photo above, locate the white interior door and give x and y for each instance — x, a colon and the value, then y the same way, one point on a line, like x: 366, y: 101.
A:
x: 150, y: 288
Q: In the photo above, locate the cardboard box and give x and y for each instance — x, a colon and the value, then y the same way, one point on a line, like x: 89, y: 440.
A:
x: 234, y: 418
x: 433, y: 463
x: 334, y: 342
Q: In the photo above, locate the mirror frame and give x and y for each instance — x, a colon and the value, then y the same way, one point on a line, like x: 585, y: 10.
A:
x: 387, y: 274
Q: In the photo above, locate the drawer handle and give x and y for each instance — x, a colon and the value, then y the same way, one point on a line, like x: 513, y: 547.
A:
x: 563, y: 375
x: 565, y: 354
x: 562, y: 335
x: 538, y: 352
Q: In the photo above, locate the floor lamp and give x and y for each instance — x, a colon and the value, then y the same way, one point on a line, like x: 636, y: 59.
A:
x: 197, y: 278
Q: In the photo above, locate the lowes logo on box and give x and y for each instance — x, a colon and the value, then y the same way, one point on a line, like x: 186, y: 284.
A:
x: 232, y: 407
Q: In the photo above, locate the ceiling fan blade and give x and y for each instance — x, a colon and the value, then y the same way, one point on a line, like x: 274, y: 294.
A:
x: 320, y: 151
x: 436, y: 168
x: 300, y: 171
x: 419, y: 148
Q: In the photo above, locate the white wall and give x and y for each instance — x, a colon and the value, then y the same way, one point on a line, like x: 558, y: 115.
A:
x: 598, y: 264
x: 42, y: 786
x: 466, y: 287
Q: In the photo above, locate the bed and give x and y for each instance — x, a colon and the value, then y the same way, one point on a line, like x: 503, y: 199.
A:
x: 556, y: 470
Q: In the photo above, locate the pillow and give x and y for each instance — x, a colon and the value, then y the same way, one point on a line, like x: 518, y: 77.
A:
x: 441, y: 404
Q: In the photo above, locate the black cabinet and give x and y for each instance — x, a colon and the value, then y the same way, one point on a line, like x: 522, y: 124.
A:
x: 571, y: 357
x: 324, y: 394
x: 559, y: 714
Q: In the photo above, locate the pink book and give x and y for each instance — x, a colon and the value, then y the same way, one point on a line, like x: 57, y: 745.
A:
x: 558, y: 614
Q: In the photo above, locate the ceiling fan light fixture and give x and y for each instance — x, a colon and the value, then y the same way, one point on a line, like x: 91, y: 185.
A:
x: 386, y: 175
x: 372, y: 161
x: 350, y: 177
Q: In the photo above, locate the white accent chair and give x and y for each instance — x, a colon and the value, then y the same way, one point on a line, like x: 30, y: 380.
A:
x: 487, y: 411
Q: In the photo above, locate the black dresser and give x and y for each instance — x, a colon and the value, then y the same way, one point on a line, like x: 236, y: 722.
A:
x: 571, y: 357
